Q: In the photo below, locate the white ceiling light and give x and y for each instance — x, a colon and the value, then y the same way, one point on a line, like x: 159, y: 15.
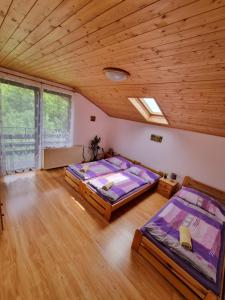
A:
x: 116, y: 74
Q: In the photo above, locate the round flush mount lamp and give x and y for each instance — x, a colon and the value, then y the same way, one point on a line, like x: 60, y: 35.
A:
x: 116, y: 74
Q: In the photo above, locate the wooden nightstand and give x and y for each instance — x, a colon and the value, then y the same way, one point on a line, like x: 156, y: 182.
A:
x: 166, y: 187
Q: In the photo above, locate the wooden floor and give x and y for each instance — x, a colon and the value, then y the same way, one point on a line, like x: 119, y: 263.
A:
x: 56, y: 246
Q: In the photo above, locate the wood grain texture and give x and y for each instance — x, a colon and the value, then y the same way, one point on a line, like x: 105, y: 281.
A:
x: 181, y: 279
x: 105, y: 208
x: 167, y: 188
x: 174, y: 51
x: 56, y: 246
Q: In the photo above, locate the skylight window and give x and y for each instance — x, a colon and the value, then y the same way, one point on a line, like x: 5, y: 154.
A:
x: 149, y: 109
x: 152, y: 106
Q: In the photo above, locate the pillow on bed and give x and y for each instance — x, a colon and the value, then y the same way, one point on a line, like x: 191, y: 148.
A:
x: 120, y: 162
x: 203, y: 201
x: 144, y: 173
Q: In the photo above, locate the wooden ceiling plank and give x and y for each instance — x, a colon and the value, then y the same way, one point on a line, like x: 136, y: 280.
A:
x: 5, y: 6
x: 38, y: 13
x: 133, y: 41
x: 188, y: 55
x: 97, y: 44
x: 171, y: 64
x: 114, y: 106
x: 209, y: 40
x: 169, y: 34
x: 80, y: 17
x: 177, y: 15
x: 124, y: 8
x: 157, y: 37
x: 138, y: 75
x: 62, y: 12
x: 166, y: 87
x: 110, y: 24
x: 188, y: 119
x: 176, y: 61
x: 134, y: 92
x: 15, y: 15
x: 155, y: 76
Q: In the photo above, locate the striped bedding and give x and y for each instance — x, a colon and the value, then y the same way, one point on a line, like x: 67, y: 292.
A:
x: 123, y: 183
x: 205, y: 229
x: 95, y: 168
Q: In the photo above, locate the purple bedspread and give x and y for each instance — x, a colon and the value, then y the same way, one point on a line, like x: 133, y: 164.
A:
x: 122, y: 183
x: 207, y: 232
x: 93, y: 169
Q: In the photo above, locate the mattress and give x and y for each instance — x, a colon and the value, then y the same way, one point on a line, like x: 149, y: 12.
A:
x: 124, y: 185
x: 121, y: 198
x: 181, y: 260
x: 96, y: 168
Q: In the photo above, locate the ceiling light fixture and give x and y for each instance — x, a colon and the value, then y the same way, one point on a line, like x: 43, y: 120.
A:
x: 116, y: 74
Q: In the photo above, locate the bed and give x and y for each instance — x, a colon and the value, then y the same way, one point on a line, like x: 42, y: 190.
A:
x: 127, y: 185
x: 75, y: 174
x: 198, y: 273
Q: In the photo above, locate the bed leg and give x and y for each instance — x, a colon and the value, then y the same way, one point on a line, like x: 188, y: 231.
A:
x: 136, y: 240
x: 107, y: 213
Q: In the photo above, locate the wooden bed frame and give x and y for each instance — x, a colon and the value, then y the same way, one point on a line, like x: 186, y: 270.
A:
x: 73, y: 181
x: 104, y: 207
x: 182, y: 280
x: 76, y: 182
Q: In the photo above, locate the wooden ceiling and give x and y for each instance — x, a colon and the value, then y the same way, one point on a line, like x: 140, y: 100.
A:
x: 174, y: 51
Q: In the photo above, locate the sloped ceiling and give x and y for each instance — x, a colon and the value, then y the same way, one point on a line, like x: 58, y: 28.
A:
x: 174, y: 51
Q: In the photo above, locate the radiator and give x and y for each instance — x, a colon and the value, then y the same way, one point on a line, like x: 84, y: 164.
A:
x: 61, y: 157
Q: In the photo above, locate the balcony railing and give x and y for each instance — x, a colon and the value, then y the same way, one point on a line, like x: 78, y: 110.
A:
x: 21, y: 146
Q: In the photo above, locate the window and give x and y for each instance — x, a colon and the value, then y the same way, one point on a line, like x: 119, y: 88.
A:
x: 152, y: 106
x: 56, y: 119
x: 19, y: 127
x: 29, y: 116
x: 149, y: 109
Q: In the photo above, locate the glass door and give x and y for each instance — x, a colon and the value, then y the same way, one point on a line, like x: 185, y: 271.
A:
x: 56, y: 119
x: 19, y: 127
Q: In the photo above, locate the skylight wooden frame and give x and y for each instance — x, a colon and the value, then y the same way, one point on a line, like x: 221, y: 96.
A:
x: 138, y: 103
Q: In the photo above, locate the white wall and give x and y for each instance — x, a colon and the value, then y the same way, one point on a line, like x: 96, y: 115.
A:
x: 185, y: 153
x: 84, y: 129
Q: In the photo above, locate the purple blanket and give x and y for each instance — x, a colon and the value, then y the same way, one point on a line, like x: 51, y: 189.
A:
x: 92, y: 169
x: 122, y: 183
x: 205, y: 230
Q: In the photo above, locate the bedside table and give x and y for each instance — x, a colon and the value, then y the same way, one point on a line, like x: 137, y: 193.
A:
x: 166, y: 187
